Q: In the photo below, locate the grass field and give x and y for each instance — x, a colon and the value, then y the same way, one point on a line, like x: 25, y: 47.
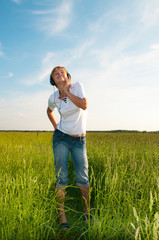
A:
x: 124, y: 178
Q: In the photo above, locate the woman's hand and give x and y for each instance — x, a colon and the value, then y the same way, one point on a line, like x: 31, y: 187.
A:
x: 79, y: 102
x: 67, y: 85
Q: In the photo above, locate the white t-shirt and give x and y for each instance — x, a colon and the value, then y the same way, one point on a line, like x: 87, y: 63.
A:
x: 72, y: 118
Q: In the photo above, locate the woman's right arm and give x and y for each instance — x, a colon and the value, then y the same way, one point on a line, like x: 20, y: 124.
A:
x: 51, y: 117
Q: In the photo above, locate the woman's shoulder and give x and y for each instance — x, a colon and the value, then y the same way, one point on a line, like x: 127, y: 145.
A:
x: 78, y: 89
x: 53, y: 96
x: 76, y: 85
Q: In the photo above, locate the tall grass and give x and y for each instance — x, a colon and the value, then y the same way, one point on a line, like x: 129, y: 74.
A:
x: 128, y: 170
x: 124, y: 180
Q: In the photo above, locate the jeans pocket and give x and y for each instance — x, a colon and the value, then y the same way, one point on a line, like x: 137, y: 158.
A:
x: 82, y: 141
x: 57, y: 137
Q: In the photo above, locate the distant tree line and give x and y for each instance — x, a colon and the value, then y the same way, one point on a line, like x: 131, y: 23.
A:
x: 91, y: 131
x: 124, y: 131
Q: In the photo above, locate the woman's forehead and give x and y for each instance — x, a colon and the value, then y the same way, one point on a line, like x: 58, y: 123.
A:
x: 59, y: 69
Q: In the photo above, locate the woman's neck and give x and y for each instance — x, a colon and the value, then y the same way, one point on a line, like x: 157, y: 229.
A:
x: 62, y: 94
x: 61, y: 91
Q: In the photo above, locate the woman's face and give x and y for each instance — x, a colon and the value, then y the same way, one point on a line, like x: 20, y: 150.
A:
x: 59, y: 75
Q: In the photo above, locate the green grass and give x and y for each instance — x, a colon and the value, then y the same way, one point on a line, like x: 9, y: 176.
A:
x: 124, y: 180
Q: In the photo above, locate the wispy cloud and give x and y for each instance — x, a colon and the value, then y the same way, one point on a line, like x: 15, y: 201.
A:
x: 1, y: 52
x: 24, y: 108
x: 105, y: 62
x: 16, y: 1
x: 48, y: 57
x: 155, y: 46
x: 79, y: 51
x: 126, y: 70
x: 54, y: 20
x: 8, y: 75
x: 37, y: 78
x: 150, y: 13
x: 65, y: 57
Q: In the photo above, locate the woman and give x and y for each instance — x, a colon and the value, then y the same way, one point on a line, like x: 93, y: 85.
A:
x: 69, y: 136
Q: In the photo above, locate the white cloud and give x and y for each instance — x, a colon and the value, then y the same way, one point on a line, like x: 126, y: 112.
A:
x: 155, y: 46
x: 110, y: 65
x: 48, y: 62
x: 1, y: 52
x: 55, y: 20
x: 150, y: 13
x: 44, y: 75
x: 8, y: 75
x: 102, y: 23
x: 125, y: 108
x: 16, y: 1
x: 80, y: 51
x: 48, y: 57
x: 122, y: 70
x: 62, y: 58
x: 29, y: 111
x: 36, y: 78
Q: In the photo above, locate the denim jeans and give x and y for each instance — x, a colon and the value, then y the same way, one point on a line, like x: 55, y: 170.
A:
x: 64, y: 144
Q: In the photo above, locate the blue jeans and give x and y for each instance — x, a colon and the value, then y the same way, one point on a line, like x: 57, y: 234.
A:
x: 64, y: 144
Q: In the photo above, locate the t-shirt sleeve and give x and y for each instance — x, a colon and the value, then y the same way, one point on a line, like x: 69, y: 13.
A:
x: 81, y: 91
x: 51, y: 102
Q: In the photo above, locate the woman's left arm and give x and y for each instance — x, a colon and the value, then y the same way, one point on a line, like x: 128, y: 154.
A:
x: 79, y: 102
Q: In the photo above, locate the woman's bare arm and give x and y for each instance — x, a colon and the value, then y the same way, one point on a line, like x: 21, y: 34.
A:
x: 51, y: 117
x: 79, y: 102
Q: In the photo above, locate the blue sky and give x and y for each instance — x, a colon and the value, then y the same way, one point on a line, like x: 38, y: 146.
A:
x: 112, y: 47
